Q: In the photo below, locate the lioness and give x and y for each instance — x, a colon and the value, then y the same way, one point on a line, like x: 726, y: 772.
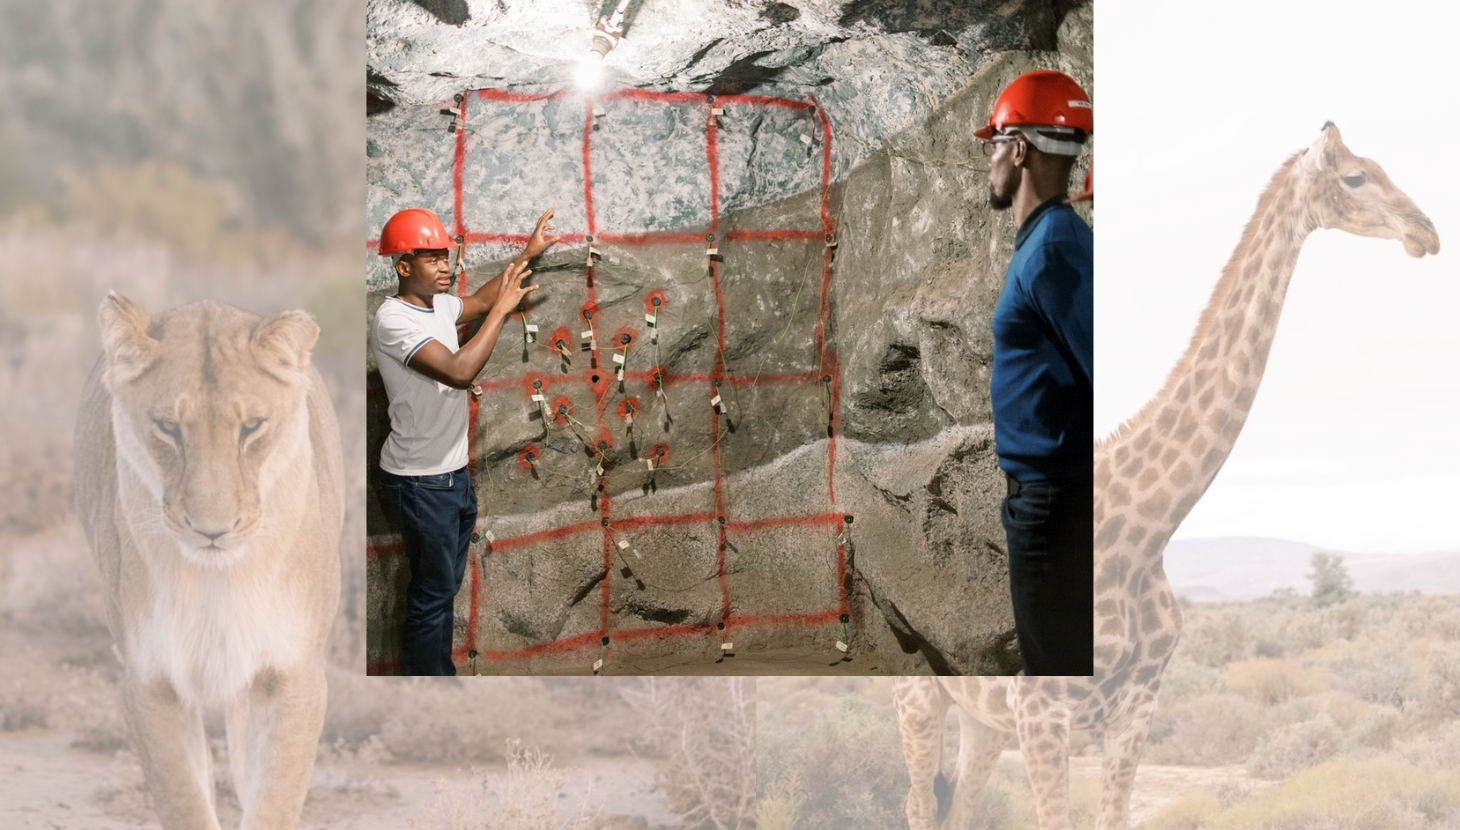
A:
x: 209, y: 481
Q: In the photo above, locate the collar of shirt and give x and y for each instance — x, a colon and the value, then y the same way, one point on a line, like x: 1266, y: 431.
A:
x: 1033, y: 218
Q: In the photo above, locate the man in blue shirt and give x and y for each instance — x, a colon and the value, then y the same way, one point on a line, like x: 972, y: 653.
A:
x: 1042, y: 388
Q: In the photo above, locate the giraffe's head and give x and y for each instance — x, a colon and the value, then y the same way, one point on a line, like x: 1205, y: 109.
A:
x: 1351, y: 193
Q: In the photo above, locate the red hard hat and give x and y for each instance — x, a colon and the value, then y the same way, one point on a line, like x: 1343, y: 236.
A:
x: 1043, y: 99
x: 413, y: 229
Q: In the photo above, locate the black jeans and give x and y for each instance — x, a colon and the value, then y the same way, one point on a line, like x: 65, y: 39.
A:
x: 435, y: 515
x: 1050, y: 528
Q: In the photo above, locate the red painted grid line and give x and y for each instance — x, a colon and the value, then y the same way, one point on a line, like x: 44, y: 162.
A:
x: 457, y: 174
x: 462, y: 654
x: 376, y: 392
x: 712, y: 152
x: 517, y: 97
x: 606, y: 586
x: 509, y: 543
x: 640, y: 238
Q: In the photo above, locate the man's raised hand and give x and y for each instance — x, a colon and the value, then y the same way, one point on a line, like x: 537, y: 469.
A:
x: 540, y: 241
x: 512, y: 292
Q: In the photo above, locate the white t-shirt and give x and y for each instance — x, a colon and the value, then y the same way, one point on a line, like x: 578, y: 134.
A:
x: 427, y: 419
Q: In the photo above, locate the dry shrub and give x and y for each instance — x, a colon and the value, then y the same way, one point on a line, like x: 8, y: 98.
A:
x: 1439, y: 697
x: 705, y: 730
x: 1296, y: 746
x: 1271, y: 681
x: 525, y: 799
x: 1184, y: 680
x: 1215, y: 637
x: 780, y: 807
x: 1437, y: 748
x: 1189, y: 812
x: 445, y: 720
x: 1208, y: 731
x: 1350, y: 794
x: 1374, y: 671
x: 1378, y: 729
x: 847, y: 757
x: 1345, y: 709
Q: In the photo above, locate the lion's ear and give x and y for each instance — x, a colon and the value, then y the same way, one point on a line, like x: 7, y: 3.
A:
x: 129, y: 348
x: 283, y: 343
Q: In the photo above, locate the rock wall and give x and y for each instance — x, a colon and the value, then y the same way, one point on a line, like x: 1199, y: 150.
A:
x: 853, y: 381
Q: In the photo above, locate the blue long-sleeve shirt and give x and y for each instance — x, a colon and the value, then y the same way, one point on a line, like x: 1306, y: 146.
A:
x: 1043, y: 387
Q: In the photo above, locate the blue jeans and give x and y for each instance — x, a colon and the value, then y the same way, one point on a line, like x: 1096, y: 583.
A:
x: 435, y: 515
x: 1050, y: 528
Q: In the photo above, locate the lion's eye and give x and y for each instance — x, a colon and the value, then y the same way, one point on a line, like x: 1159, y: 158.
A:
x: 1355, y: 179
x: 169, y: 428
x: 249, y: 427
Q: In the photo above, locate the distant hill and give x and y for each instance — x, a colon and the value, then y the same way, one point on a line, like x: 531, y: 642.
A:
x: 1240, y: 568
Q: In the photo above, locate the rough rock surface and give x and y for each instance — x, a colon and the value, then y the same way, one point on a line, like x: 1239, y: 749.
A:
x: 876, y: 65
x: 918, y: 265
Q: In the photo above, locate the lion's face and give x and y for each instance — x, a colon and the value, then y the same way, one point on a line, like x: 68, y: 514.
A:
x: 208, y: 430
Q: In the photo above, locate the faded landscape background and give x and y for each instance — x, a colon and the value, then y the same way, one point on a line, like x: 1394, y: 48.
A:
x: 178, y: 151
x: 1326, y: 709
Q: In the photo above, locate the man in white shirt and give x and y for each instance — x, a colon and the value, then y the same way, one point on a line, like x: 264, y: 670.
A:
x: 426, y: 487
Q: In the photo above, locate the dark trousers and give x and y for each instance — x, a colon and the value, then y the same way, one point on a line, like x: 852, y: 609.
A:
x: 436, y: 515
x: 1050, y: 529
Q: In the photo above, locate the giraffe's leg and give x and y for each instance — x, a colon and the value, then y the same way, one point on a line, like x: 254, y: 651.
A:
x: 979, y: 746
x: 921, y: 708
x: 1124, y: 743
x: 1044, y: 738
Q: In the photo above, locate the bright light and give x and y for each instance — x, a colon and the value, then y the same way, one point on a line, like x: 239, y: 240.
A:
x: 590, y: 72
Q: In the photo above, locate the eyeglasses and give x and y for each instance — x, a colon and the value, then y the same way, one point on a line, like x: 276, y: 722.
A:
x: 987, y: 145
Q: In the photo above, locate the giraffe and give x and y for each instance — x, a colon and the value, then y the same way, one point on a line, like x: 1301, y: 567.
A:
x: 1149, y: 474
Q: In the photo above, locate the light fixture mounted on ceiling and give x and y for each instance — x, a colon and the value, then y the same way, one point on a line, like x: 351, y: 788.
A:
x: 606, y: 35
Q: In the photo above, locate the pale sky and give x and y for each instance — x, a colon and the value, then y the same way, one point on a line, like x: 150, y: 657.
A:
x: 1354, y: 440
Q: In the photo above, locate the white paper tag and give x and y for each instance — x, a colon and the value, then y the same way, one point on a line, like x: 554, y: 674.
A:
x: 711, y: 251
x: 716, y: 111
x: 623, y: 544
x: 587, y: 335
x: 727, y: 646
x: 619, y: 358
x: 599, y: 469
x: 490, y: 537
x: 539, y: 399
x: 650, y: 462
x: 628, y: 416
x: 476, y: 390
x: 597, y: 664
x: 806, y: 139
x: 715, y: 401
x: 531, y: 338
x: 841, y: 646
x: 651, y: 319
x: 532, y: 328
x: 592, y: 251
x: 620, y: 374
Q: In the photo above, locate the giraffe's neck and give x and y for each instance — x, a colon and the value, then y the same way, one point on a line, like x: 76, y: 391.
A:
x: 1151, y: 473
